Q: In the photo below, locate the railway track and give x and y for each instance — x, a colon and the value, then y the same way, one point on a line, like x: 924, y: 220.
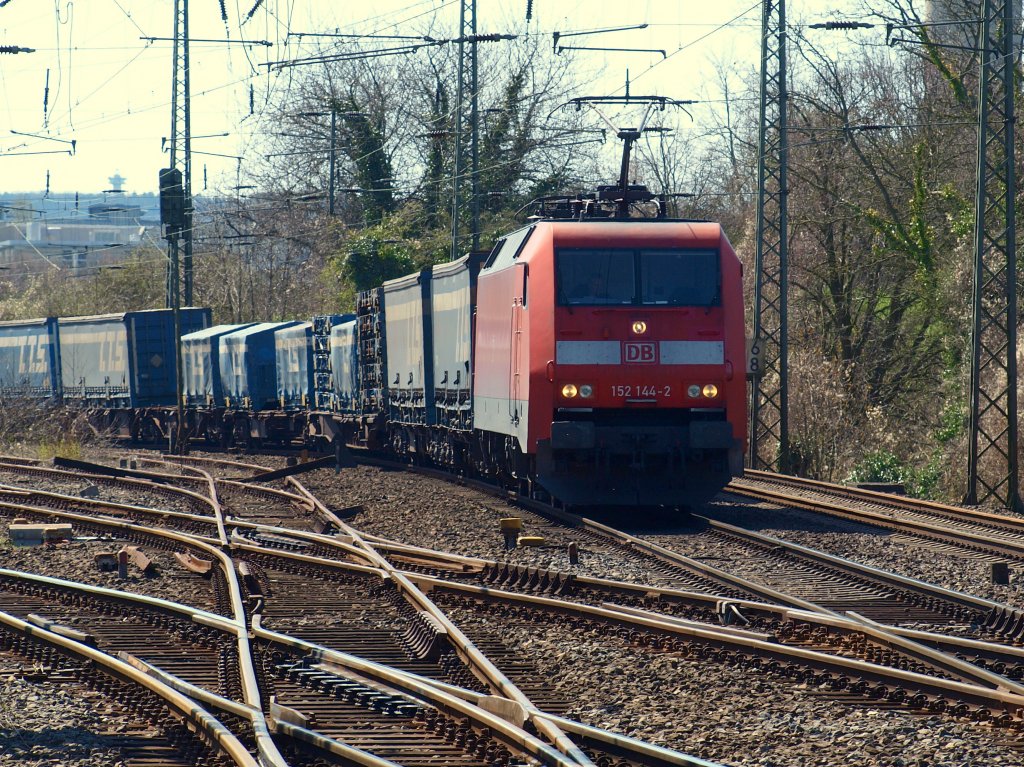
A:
x: 996, y: 537
x: 286, y: 676
x: 158, y: 727
x: 313, y: 587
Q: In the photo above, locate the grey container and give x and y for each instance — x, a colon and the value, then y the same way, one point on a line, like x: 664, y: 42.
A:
x: 345, y: 367
x: 30, y: 359
x: 200, y: 365
x: 123, y: 360
x: 293, y: 348
x: 409, y: 350
x: 452, y: 305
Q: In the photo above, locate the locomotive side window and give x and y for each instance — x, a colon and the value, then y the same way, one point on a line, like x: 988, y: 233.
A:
x: 507, y: 249
x: 679, y: 277
x: 591, y: 276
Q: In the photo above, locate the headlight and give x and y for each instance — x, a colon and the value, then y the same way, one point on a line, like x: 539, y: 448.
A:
x: 710, y: 391
x: 586, y: 390
x: 639, y: 327
x: 693, y: 392
x: 569, y: 391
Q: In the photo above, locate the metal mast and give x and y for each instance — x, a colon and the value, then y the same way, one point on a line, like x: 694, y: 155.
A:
x: 769, y: 429
x: 466, y: 111
x: 181, y: 155
x: 992, y: 457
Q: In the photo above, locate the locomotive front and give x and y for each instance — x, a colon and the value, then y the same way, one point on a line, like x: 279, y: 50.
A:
x: 644, y: 365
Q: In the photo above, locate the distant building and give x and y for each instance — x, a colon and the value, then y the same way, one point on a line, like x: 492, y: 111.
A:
x: 55, y: 231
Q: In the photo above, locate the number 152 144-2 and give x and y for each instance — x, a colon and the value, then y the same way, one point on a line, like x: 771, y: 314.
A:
x: 640, y: 390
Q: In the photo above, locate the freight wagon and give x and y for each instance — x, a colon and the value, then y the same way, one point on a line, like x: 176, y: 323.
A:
x: 30, y: 359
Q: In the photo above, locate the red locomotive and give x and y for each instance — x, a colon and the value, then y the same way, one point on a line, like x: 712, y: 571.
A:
x: 609, y: 360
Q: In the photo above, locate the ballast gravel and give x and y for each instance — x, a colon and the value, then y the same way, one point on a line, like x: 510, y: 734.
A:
x: 727, y: 715
x: 74, y: 561
x: 43, y: 724
x: 943, y: 565
x: 104, y: 490
x: 707, y: 709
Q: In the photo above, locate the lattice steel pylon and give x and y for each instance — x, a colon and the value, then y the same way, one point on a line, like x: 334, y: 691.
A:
x: 992, y: 452
x: 466, y: 116
x: 180, y: 246
x: 769, y: 427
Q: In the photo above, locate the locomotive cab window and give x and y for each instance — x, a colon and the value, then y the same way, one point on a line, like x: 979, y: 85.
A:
x: 653, y: 277
x: 679, y: 277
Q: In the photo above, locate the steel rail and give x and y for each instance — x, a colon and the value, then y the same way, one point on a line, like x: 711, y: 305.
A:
x: 236, y: 625
x: 350, y: 754
x: 207, y: 726
x: 107, y: 479
x: 298, y: 535
x: 893, y: 579
x: 184, y: 459
x: 1007, y: 701
x: 469, y: 653
x: 187, y: 539
x: 229, y: 626
x: 250, y: 688
x: 886, y: 499
x: 247, y: 713
x: 414, y: 682
x: 215, y: 503
x: 909, y: 646
x: 8, y: 490
x: 467, y: 703
x: 960, y: 538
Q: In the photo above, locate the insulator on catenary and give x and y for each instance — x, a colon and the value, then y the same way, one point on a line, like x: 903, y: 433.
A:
x: 842, y: 25
x: 253, y: 10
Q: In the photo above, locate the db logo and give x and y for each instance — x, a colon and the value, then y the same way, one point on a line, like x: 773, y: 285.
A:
x: 641, y: 353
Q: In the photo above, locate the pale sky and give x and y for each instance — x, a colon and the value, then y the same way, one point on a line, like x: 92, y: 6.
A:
x: 110, y: 91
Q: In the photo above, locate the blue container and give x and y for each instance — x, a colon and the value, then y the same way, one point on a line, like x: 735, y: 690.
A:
x: 199, y: 356
x: 409, y: 349
x: 30, y: 359
x: 123, y: 360
x: 345, y: 367
x: 294, y: 350
x: 248, y: 366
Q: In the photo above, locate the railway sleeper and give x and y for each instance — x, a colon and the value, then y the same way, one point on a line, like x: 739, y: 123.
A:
x: 304, y: 673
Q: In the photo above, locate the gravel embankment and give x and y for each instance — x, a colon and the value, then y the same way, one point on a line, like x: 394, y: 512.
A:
x: 711, y: 710
x: 112, y: 492
x: 724, y: 714
x: 74, y: 561
x: 43, y: 724
x: 960, y: 571
x: 435, y: 514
